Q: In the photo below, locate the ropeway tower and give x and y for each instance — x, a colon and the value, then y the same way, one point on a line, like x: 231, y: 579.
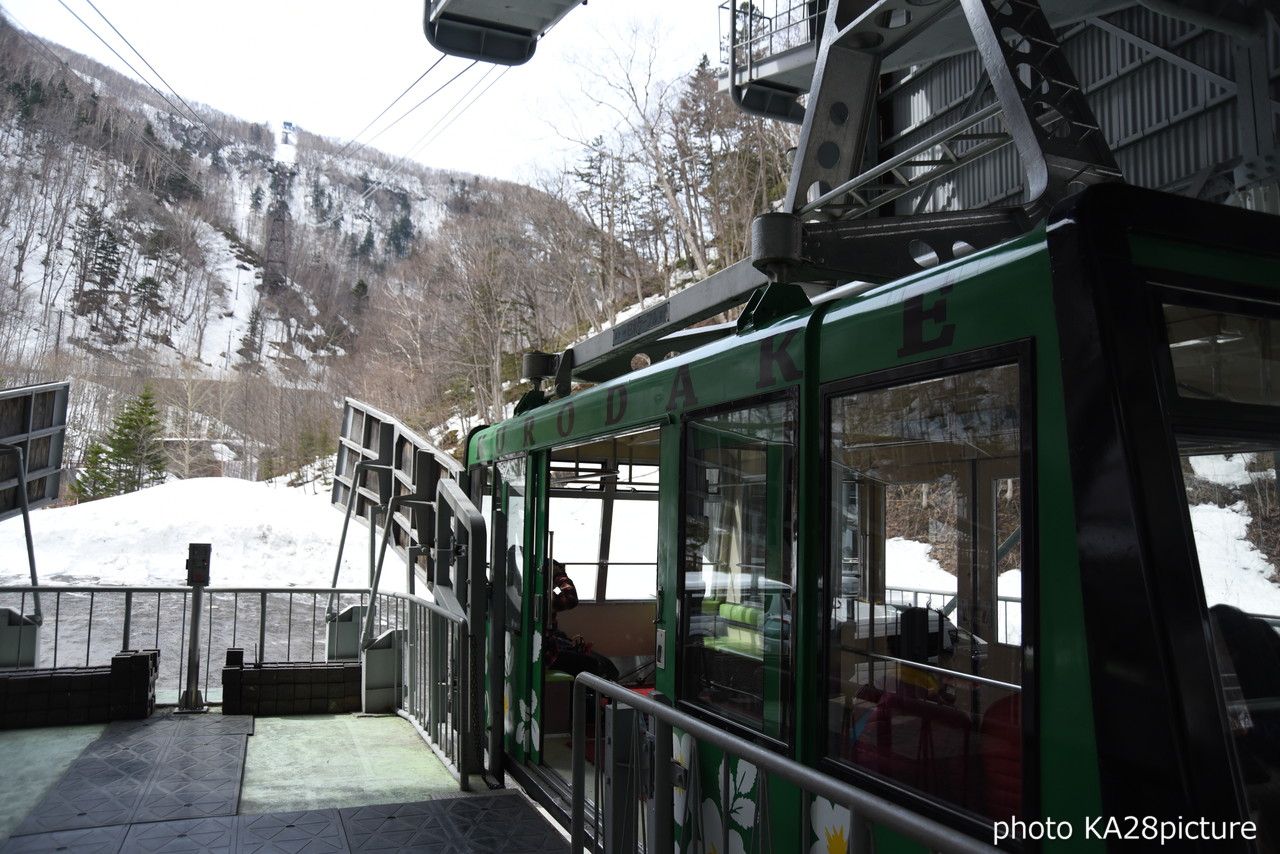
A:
x: 279, y: 220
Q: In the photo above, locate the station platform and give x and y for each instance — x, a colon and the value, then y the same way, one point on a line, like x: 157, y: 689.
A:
x: 316, y: 783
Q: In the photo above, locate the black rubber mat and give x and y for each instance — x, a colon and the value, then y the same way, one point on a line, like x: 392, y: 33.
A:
x: 88, y: 840
x: 172, y: 784
x: 475, y: 824
x: 160, y: 769
x: 215, y: 835
x: 315, y: 832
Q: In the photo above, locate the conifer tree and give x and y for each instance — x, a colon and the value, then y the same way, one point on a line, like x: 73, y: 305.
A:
x: 130, y: 457
x: 95, y: 480
x: 137, y: 454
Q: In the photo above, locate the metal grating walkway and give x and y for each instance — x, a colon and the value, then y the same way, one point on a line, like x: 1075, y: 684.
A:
x: 172, y: 784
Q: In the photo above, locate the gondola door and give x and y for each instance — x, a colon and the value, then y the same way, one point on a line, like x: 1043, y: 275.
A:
x: 517, y: 486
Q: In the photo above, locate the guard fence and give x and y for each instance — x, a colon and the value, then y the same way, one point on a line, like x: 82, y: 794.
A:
x: 414, y: 663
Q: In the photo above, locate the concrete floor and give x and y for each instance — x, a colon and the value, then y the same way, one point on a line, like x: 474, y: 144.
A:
x: 292, y: 763
x: 321, y: 761
x: 33, y: 760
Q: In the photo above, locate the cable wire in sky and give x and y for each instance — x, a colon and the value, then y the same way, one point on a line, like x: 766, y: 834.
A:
x: 139, y: 74
x: 438, y: 129
x: 190, y: 110
x: 412, y: 109
x: 388, y: 107
x: 399, y: 164
x: 395, y: 169
x: 61, y: 64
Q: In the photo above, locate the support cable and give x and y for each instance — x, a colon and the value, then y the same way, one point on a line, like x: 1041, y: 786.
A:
x: 62, y: 65
x: 190, y: 109
x: 375, y: 119
x: 140, y: 75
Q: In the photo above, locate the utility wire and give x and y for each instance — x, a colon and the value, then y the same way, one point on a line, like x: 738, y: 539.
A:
x: 436, y: 129
x: 395, y: 168
x: 437, y: 91
x: 399, y: 164
x: 421, y: 144
x: 140, y: 75
x: 388, y: 107
x: 191, y: 110
x: 62, y: 65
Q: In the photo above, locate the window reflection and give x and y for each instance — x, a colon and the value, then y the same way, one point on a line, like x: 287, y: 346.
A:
x: 924, y: 638
x: 738, y: 527
x: 1218, y: 355
x: 511, y: 475
x: 1235, y: 517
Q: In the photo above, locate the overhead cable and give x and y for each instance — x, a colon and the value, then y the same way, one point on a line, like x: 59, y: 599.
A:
x: 376, y: 185
x: 190, y: 110
x: 61, y: 64
x: 388, y: 107
x: 435, y: 132
x: 139, y: 74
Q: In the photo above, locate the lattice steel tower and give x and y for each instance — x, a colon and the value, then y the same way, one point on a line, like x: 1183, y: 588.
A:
x: 276, y: 266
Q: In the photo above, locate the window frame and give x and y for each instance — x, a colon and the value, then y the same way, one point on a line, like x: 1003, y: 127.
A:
x: 785, y: 743
x: 1187, y: 414
x: 1019, y: 354
x: 1191, y: 420
x: 608, y: 495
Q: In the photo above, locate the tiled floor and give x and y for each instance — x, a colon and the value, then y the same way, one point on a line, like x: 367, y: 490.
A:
x: 174, y: 784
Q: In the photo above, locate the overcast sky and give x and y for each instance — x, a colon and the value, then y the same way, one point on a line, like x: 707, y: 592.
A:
x: 332, y: 67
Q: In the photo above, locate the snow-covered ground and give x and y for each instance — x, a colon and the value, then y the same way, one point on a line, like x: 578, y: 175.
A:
x: 267, y: 534
x: 263, y: 535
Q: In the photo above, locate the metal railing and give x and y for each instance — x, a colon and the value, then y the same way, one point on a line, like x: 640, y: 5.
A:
x: 1009, y: 607
x: 433, y: 680
x: 625, y: 771
x: 87, y: 625
x: 418, y: 650
x: 757, y: 35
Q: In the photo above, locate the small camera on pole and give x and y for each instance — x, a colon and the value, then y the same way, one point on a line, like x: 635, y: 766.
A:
x: 197, y: 579
x: 198, y: 563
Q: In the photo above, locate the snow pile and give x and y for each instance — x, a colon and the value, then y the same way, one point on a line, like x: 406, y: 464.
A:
x: 1223, y: 470
x: 910, y: 566
x: 1234, y: 571
x: 262, y: 536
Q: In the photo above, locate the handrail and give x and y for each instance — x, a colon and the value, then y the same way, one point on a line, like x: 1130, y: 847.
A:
x: 863, y: 806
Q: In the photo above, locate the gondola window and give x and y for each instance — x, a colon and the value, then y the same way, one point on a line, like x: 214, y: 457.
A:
x: 924, y: 626
x: 739, y: 528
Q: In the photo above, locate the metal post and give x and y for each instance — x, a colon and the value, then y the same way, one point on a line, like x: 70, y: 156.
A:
x: 128, y: 619
x: 37, y: 615
x: 262, y: 627
x: 198, y: 554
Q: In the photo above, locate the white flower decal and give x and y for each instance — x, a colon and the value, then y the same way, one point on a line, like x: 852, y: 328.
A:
x: 713, y: 832
x: 831, y: 824
x: 508, y: 722
x: 681, y: 754
x: 529, y: 732
x: 742, y: 805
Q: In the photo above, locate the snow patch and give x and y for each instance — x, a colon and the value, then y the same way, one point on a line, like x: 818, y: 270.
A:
x: 262, y: 536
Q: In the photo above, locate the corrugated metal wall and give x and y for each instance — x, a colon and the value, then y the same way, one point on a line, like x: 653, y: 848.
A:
x: 1170, y: 126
